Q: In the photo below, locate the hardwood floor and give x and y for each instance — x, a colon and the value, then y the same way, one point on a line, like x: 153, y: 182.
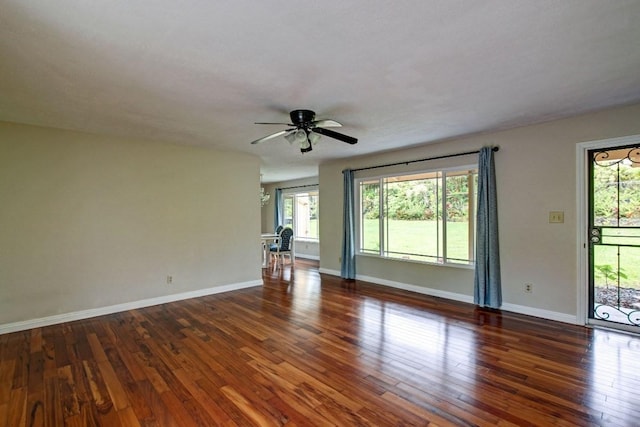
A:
x: 311, y: 350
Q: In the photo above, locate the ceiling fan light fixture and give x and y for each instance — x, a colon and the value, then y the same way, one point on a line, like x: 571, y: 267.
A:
x: 313, y: 137
x: 291, y: 137
x: 305, y: 144
x: 300, y: 136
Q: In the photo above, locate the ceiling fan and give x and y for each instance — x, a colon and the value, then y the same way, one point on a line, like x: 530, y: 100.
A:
x: 305, y: 130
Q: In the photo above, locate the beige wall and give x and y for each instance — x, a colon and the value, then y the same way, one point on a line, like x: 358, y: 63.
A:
x: 536, y: 173
x: 267, y: 211
x: 90, y: 221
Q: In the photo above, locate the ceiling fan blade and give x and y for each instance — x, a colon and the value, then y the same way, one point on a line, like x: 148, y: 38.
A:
x: 326, y: 124
x: 268, y: 137
x: 336, y: 135
x: 270, y: 123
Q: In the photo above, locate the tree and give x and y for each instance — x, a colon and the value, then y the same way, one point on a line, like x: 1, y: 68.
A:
x: 609, y: 273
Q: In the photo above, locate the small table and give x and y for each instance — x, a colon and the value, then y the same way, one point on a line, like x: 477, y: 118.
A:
x: 266, y: 238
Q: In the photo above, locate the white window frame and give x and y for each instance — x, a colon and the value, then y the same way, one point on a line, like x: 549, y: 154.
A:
x: 381, y: 250
x: 295, y: 193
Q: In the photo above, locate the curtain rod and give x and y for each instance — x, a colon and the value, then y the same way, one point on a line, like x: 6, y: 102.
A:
x: 423, y: 160
x: 297, y: 186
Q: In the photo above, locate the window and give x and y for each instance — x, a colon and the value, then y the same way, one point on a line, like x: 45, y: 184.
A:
x: 427, y: 216
x: 301, y: 213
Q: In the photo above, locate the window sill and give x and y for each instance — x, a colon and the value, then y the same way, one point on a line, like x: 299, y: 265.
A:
x: 306, y: 240
x: 414, y: 261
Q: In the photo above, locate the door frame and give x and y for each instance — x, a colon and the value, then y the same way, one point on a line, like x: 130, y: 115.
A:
x: 582, y: 217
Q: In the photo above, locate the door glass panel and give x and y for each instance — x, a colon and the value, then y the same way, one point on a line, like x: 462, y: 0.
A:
x: 614, y: 235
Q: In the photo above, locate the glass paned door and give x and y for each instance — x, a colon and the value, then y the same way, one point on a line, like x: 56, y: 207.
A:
x: 614, y: 236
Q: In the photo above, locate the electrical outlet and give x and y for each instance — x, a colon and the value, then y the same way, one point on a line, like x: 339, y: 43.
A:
x: 556, y: 217
x: 528, y: 288
x: 169, y: 280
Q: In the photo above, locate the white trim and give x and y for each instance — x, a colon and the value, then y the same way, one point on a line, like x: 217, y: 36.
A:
x: 294, y: 192
x: 616, y: 327
x: 305, y: 256
x: 418, y: 289
x: 582, y: 199
x: 101, y: 311
x: 539, y: 312
x: 308, y: 240
x: 302, y: 189
x: 582, y: 262
x: 357, y: 197
x: 417, y: 261
x: 514, y: 308
x: 328, y: 271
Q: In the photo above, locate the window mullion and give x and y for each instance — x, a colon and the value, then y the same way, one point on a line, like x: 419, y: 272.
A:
x: 381, y: 224
x: 471, y: 215
x: 444, y: 217
x: 294, y: 202
x: 438, y: 214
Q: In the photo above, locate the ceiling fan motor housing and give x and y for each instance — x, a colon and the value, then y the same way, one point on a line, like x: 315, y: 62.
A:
x: 302, y: 118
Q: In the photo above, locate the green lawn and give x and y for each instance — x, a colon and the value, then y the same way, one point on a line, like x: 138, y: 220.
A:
x: 629, y: 264
x: 421, y: 237
x: 418, y: 237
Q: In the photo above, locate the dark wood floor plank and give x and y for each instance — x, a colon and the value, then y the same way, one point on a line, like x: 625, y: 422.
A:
x: 54, y: 414
x: 7, y: 367
x: 249, y: 409
x: 99, y: 395
x: 451, y: 405
x: 69, y: 398
x: 290, y: 399
x: 131, y: 364
x: 234, y: 415
x: 208, y: 403
x: 17, y: 415
x: 429, y: 415
x: 290, y: 417
x: 19, y: 349
x: 308, y: 349
x: 158, y: 415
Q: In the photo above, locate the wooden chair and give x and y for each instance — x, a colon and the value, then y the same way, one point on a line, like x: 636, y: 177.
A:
x: 285, y: 247
x: 278, y: 231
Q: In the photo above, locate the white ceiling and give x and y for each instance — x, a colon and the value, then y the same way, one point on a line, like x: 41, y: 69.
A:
x: 395, y: 74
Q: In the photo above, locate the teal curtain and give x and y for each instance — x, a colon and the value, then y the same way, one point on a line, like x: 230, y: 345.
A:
x: 348, y: 266
x: 487, y: 286
x: 277, y: 216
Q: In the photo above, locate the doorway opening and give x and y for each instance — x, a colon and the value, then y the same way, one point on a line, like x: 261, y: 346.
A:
x: 613, y: 242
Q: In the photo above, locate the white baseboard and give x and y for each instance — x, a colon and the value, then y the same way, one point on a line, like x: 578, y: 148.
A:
x: 101, y: 311
x: 514, y: 308
x: 305, y: 256
x: 539, y: 312
x: 419, y: 289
